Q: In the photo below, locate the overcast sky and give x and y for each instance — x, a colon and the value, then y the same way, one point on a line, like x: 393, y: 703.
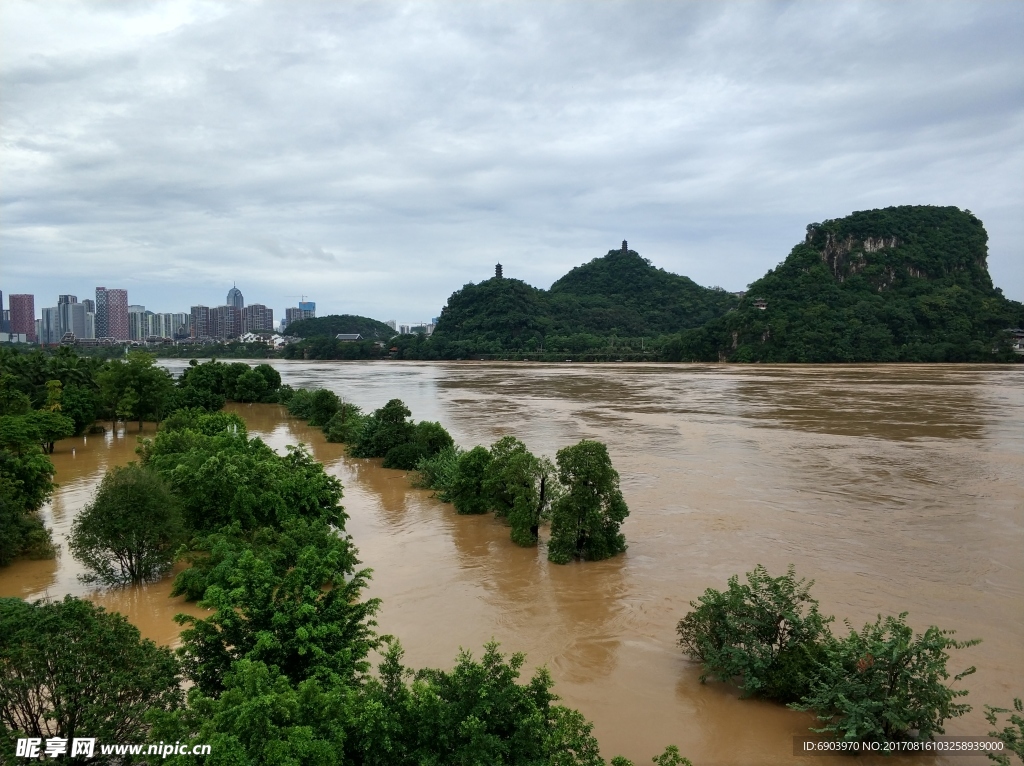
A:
x: 376, y: 156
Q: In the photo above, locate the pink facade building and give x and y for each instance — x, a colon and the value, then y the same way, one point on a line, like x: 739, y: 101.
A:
x: 23, y: 315
x: 112, y: 314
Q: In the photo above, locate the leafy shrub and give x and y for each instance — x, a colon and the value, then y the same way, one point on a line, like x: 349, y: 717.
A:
x: 1012, y: 735
x: 385, y: 429
x: 345, y: 425
x: 405, y: 456
x: 438, y: 471
x: 767, y: 633
x: 886, y: 683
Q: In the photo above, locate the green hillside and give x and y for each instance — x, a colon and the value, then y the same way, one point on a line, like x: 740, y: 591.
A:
x: 618, y: 296
x: 624, y: 294
x: 331, y: 325
x: 905, y: 283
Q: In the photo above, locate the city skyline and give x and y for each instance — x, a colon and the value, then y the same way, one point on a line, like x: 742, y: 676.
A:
x: 381, y: 156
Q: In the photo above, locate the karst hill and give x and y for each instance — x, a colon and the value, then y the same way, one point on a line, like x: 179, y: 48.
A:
x: 904, y: 283
x: 618, y: 295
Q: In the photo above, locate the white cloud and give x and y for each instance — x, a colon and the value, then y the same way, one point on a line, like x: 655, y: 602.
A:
x: 376, y: 156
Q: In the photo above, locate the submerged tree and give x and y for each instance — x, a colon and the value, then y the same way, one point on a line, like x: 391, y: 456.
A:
x: 466, y: 490
x: 585, y: 520
x: 128, y: 534
x: 885, y: 683
x: 518, y: 485
x: 70, y: 669
x: 766, y: 634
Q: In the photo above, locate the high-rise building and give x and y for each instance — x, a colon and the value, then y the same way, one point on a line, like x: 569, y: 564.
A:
x: 308, y: 309
x: 225, y: 322
x: 90, y: 324
x: 23, y: 315
x: 392, y: 324
x: 48, y: 331
x: 199, y: 325
x: 137, y: 329
x: 257, y: 318
x: 70, y: 316
x: 90, y: 305
x: 235, y: 298
x: 112, y: 314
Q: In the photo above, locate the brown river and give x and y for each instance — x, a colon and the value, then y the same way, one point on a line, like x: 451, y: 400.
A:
x: 895, y: 488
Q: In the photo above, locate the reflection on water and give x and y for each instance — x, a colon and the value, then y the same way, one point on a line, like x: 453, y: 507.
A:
x: 895, y: 488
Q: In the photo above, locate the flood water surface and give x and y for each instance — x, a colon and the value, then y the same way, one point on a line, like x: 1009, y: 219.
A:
x: 895, y: 488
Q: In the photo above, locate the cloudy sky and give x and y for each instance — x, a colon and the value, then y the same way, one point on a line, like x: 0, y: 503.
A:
x: 375, y: 156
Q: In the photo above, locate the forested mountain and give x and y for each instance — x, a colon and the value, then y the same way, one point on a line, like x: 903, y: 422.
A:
x: 906, y: 283
x: 623, y: 293
x: 333, y: 324
x: 618, y: 296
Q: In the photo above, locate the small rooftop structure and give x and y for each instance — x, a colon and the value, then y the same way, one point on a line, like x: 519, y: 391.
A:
x: 760, y: 303
x: 348, y: 337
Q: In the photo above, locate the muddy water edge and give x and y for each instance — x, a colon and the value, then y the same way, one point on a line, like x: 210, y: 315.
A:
x: 896, y: 488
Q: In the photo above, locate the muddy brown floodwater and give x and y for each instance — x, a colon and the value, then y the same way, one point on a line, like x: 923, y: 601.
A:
x: 896, y: 488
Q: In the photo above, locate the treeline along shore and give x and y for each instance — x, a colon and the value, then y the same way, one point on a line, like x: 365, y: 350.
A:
x: 902, y: 284
x: 279, y: 670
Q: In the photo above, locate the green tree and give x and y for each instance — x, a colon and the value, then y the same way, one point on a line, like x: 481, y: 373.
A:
x: 518, y: 485
x: 51, y: 425
x: 250, y: 387
x: 79, y: 404
x: 129, y: 532
x: 70, y: 669
x: 466, y: 490
x: 885, y: 683
x: 385, y: 429
x: 345, y: 424
x: 585, y: 520
x: 307, y: 621
x: 1011, y: 735
x: 12, y: 400
x: 26, y: 482
x: 136, y: 388
x: 262, y: 718
x: 476, y: 713
x: 767, y: 632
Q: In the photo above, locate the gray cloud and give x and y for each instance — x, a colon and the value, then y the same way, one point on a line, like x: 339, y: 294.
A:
x: 376, y: 156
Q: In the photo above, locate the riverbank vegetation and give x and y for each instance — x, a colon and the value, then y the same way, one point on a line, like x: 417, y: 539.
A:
x: 279, y: 671
x: 881, y: 683
x: 579, y: 495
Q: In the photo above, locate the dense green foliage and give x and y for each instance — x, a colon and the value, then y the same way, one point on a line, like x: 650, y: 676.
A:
x: 518, y: 485
x: 766, y: 632
x: 903, y: 284
x: 228, y: 478
x: 335, y: 324
x: 465, y: 485
x: 70, y: 669
x: 389, y: 433
x: 585, y: 519
x: 26, y: 481
x: 605, y: 305
x: 886, y: 683
x: 767, y: 636
x: 130, y: 531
